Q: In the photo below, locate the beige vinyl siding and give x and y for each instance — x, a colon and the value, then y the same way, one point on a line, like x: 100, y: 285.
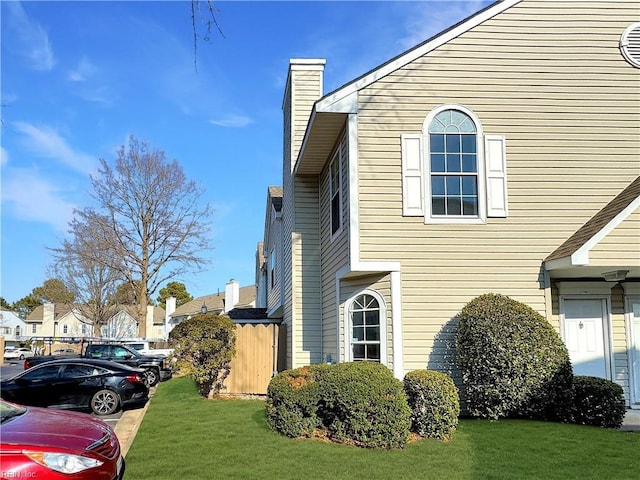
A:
x: 551, y: 79
x: 334, y: 251
x: 274, y: 291
x: 352, y: 287
x: 306, y: 275
x: 621, y: 246
x: 302, y: 338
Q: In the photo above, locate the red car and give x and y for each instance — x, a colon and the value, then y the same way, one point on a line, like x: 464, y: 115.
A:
x: 56, y: 445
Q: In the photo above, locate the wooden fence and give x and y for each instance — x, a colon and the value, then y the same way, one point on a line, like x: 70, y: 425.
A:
x: 258, y: 357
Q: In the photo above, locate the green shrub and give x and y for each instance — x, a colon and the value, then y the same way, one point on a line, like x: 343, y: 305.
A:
x: 292, y: 402
x: 598, y: 402
x: 359, y: 403
x: 204, y: 346
x: 435, y: 406
x: 512, y: 361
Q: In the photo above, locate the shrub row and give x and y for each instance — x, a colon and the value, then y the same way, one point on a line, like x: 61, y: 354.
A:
x: 361, y: 403
x: 514, y: 364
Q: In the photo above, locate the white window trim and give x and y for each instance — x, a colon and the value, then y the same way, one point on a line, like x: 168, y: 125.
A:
x: 482, y: 209
x: 348, y: 353
x: 337, y: 157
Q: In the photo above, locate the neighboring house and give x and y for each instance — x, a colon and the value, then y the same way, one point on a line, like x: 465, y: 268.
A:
x: 234, y: 296
x: 501, y: 155
x: 12, y: 328
x: 59, y: 321
x: 268, y: 282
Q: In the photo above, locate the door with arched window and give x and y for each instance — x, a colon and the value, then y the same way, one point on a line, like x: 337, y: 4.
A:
x: 366, y: 328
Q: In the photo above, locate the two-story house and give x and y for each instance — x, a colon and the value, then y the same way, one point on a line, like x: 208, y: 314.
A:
x: 502, y: 155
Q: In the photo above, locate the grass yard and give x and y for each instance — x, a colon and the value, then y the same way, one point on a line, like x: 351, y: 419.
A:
x: 186, y: 437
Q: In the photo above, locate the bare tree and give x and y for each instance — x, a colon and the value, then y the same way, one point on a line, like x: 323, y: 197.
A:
x: 81, y: 263
x: 148, y: 225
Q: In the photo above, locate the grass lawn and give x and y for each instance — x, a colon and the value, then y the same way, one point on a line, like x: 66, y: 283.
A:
x: 186, y: 437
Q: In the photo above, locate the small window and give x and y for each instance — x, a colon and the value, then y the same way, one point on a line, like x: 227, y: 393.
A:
x: 65, y: 329
x: 365, y: 329
x: 335, y: 184
x: 34, y: 328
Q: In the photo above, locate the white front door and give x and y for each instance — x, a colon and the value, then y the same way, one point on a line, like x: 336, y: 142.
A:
x: 634, y: 351
x: 584, y: 335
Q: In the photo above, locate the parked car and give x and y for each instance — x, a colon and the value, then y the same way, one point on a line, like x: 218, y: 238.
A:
x: 56, y: 445
x: 64, y: 351
x: 18, y: 353
x: 157, y: 367
x: 97, y: 385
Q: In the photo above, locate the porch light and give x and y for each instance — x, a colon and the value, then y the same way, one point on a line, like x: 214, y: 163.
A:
x: 615, y: 275
x: 203, y: 308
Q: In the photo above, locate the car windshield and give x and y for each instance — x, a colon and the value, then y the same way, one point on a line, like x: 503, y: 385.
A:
x: 8, y: 411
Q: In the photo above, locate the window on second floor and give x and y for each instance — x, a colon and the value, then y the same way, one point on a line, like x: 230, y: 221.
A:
x: 452, y: 172
x: 453, y: 165
x: 335, y: 187
x: 34, y: 328
x: 272, y: 267
x: 65, y: 328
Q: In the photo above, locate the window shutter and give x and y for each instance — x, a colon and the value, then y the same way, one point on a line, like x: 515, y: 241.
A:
x: 496, y: 172
x: 412, y: 181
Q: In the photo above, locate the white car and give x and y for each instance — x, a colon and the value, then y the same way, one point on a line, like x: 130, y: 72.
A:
x: 18, y: 353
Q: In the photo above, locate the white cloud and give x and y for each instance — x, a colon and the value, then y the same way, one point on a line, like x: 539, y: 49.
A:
x: 28, y: 38
x: 4, y: 156
x: 46, y: 142
x: 33, y: 198
x: 431, y: 18
x: 233, y: 121
x: 83, y: 71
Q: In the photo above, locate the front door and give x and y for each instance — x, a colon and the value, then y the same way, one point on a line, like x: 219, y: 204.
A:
x: 585, y: 336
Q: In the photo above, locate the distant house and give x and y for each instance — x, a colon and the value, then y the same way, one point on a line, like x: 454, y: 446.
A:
x: 501, y: 155
x: 12, y: 328
x: 233, y: 296
x: 66, y: 321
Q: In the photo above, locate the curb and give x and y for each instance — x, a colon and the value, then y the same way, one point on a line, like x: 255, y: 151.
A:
x: 128, y: 424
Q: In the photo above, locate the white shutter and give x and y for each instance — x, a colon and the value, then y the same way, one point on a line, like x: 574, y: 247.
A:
x: 496, y: 173
x: 412, y: 181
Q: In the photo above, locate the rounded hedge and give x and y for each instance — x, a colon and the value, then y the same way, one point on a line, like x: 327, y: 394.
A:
x: 359, y: 403
x: 598, y: 402
x: 512, y: 361
x: 435, y: 406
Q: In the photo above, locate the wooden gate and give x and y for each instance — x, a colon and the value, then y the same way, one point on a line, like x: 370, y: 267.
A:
x: 256, y: 359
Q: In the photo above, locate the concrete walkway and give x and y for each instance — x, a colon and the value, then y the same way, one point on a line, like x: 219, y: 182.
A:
x: 631, y: 421
x: 128, y: 424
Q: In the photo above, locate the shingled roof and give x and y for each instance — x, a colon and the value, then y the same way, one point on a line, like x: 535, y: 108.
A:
x: 598, y: 222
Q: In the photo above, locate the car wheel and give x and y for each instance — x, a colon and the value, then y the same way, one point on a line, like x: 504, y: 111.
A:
x: 151, y: 377
x: 105, y: 402
x: 21, y: 356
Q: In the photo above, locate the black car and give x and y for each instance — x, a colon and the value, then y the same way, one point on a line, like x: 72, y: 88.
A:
x: 79, y: 384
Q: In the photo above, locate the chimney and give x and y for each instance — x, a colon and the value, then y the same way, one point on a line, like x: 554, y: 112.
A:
x: 303, y: 89
x: 231, y: 295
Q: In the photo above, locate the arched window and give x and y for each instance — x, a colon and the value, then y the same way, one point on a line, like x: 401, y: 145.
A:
x: 453, y: 165
x: 367, y: 327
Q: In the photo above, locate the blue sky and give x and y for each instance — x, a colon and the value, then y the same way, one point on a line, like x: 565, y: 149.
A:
x: 77, y: 78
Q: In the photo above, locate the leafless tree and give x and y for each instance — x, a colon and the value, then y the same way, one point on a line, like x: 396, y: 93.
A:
x: 93, y: 281
x: 148, y: 226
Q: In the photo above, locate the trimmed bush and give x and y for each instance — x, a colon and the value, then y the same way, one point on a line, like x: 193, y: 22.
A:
x: 358, y: 403
x: 598, y: 402
x: 512, y: 361
x: 204, y: 347
x: 435, y: 406
x: 292, y: 402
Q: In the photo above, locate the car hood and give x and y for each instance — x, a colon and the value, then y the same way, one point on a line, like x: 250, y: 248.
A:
x: 43, y: 427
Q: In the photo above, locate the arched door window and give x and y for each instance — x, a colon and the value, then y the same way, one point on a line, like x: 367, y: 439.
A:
x: 366, y: 321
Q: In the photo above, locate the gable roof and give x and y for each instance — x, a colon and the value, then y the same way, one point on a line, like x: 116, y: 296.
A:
x: 575, y: 250
x: 329, y: 112
x: 215, y: 302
